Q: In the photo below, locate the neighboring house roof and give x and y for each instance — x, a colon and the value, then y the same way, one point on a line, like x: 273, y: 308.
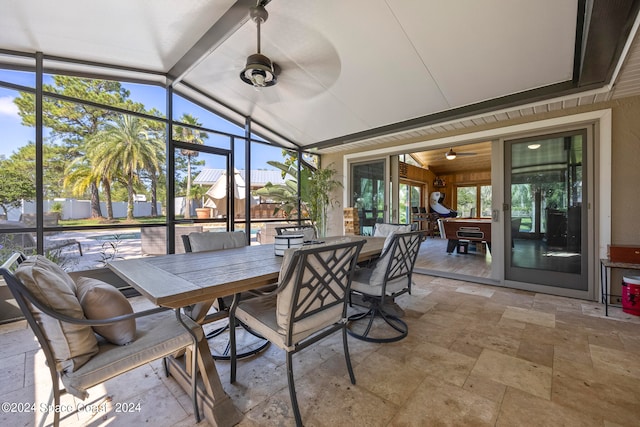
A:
x: 259, y: 178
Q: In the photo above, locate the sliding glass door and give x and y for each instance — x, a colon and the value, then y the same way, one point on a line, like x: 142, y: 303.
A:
x: 368, y: 193
x: 546, y: 210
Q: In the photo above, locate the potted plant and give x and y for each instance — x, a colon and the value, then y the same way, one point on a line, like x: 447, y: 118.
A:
x: 316, y: 188
x: 197, y: 194
x: 322, y: 184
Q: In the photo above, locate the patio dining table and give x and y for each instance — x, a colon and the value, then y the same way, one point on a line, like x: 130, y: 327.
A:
x: 178, y: 280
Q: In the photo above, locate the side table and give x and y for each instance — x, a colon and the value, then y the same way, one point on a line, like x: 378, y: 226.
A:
x: 606, y: 266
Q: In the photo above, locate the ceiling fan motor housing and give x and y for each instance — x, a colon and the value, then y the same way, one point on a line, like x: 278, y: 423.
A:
x: 259, y: 71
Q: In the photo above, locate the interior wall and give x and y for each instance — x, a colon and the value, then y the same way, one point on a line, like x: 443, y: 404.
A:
x: 625, y: 176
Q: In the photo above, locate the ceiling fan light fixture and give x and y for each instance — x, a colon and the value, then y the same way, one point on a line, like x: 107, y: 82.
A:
x: 259, y: 71
x: 450, y: 155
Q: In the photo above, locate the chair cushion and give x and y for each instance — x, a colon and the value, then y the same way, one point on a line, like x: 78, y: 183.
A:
x: 362, y: 283
x: 380, y: 269
x: 215, y: 241
x: 370, y: 280
x: 72, y: 345
x: 384, y: 230
x: 260, y: 314
x: 157, y: 336
x: 100, y: 300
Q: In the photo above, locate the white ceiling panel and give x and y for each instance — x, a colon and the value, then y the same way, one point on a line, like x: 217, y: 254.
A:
x: 478, y: 50
x: 150, y: 34
x: 348, y: 67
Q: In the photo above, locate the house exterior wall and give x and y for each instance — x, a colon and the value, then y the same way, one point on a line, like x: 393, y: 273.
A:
x: 625, y: 155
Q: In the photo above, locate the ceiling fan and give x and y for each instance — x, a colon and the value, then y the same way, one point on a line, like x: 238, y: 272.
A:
x: 307, y: 62
x: 259, y: 71
x: 450, y: 155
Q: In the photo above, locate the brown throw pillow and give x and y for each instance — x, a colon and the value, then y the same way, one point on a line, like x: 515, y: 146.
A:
x: 72, y: 344
x: 100, y: 300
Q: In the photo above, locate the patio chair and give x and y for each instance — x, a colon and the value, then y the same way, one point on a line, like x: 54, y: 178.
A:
x: 216, y: 241
x: 65, y: 317
x: 308, y: 305
x: 389, y: 278
x: 308, y: 231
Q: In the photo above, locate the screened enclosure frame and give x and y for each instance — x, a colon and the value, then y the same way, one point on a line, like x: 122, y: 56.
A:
x: 40, y: 64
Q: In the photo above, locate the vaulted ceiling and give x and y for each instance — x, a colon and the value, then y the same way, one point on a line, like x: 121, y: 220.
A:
x: 353, y: 72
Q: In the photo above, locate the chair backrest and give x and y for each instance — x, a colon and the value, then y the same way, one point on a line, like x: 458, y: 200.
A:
x: 314, y: 285
x: 307, y: 231
x: 385, y: 229
x: 397, y: 259
x: 213, y: 241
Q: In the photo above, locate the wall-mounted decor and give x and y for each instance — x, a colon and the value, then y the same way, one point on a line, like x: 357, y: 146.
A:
x: 439, y: 182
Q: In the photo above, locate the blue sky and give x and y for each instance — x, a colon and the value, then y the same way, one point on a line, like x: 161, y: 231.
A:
x: 14, y: 135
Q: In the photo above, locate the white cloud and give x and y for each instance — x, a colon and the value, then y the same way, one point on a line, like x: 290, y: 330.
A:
x: 7, y: 107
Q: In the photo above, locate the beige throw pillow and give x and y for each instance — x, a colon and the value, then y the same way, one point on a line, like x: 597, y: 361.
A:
x: 72, y: 344
x: 100, y: 300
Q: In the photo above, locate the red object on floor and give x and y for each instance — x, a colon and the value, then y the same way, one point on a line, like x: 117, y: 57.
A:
x: 631, y: 295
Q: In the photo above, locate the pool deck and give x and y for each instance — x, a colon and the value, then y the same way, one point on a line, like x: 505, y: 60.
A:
x: 100, y: 247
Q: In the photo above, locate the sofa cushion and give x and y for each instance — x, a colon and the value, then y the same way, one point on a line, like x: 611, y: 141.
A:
x: 72, y: 344
x: 100, y: 300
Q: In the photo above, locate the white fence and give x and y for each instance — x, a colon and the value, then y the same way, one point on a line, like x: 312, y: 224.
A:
x: 78, y: 209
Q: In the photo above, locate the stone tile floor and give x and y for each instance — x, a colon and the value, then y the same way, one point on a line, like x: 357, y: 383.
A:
x: 475, y: 355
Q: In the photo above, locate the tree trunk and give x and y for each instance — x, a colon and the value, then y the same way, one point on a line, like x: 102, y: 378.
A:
x: 130, y: 198
x: 187, y: 199
x: 95, y: 201
x: 154, y: 195
x: 106, y: 185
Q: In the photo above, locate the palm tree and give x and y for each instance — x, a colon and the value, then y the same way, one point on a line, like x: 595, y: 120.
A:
x: 97, y: 149
x: 188, y: 134
x: 80, y: 176
x: 154, y: 173
x: 124, y: 147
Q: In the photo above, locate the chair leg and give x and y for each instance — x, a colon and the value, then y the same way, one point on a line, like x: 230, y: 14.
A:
x: 292, y: 390
x: 232, y: 344
x: 56, y: 402
x: 346, y: 355
x: 370, y: 314
x: 224, y: 355
x: 376, y: 311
